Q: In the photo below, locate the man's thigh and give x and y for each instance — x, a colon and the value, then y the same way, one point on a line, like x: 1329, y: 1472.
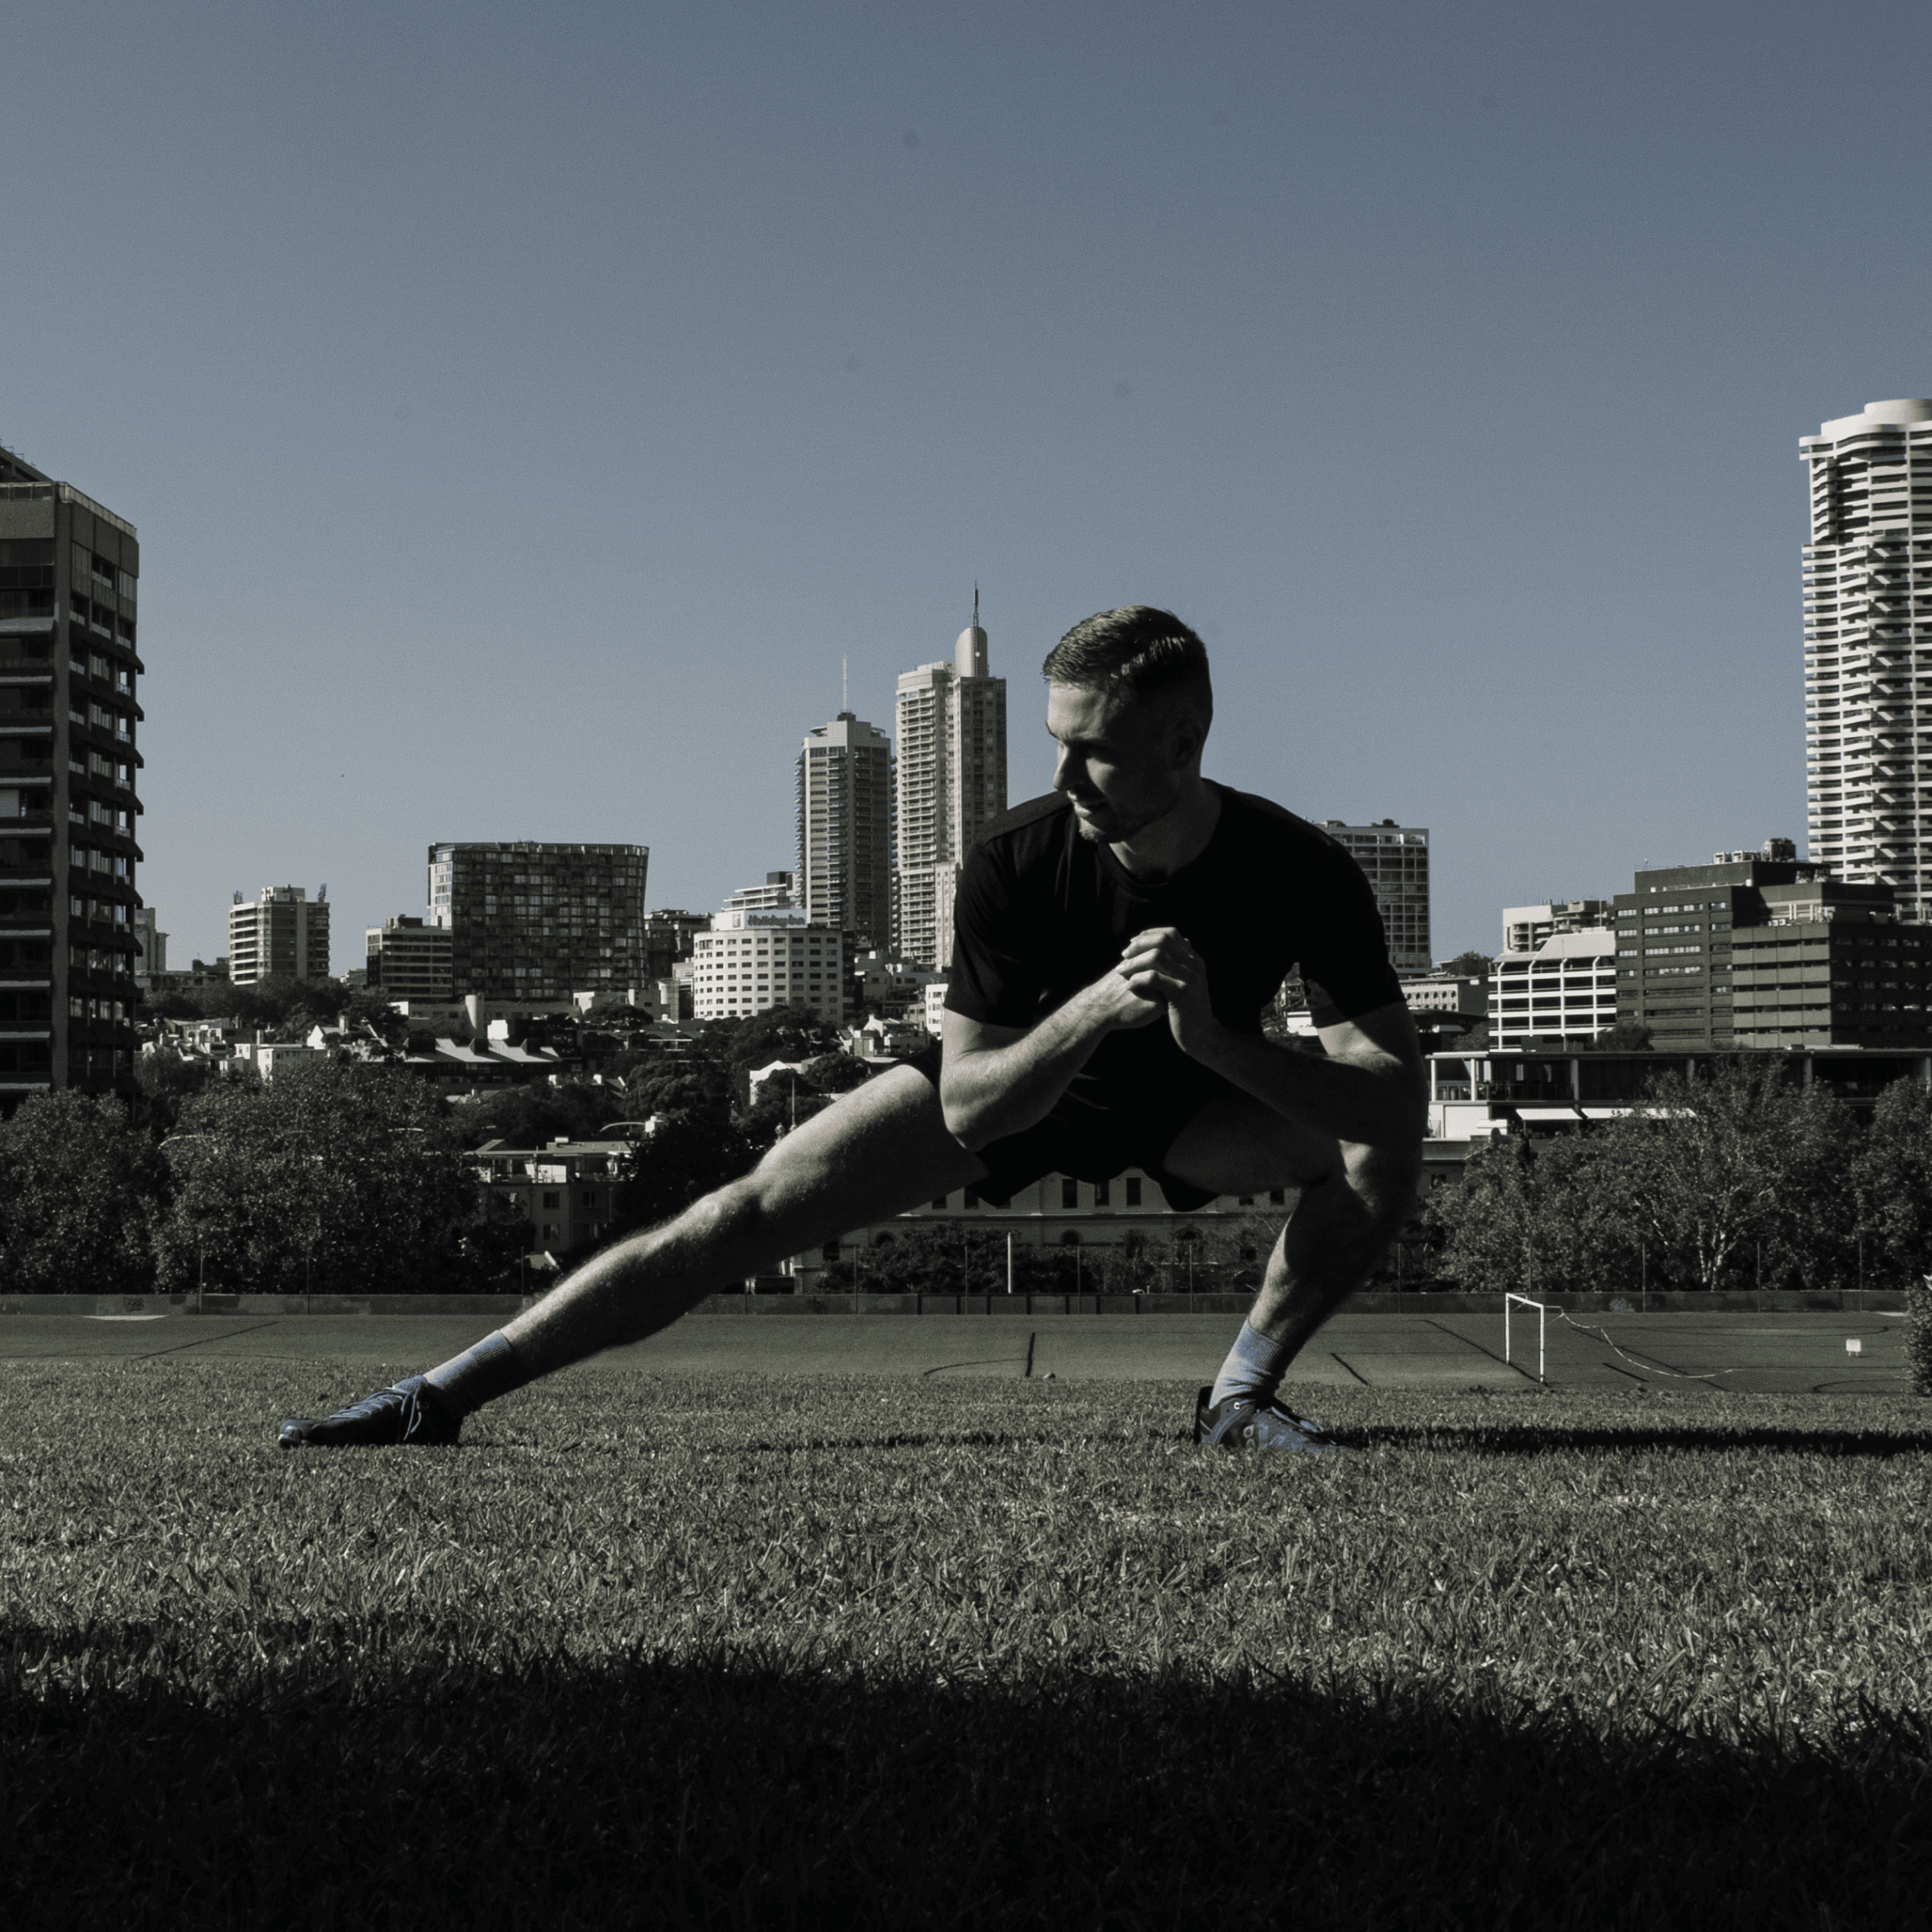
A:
x: 1237, y: 1145
x: 874, y: 1152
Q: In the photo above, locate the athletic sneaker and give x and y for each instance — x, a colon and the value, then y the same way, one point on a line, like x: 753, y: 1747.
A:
x: 408, y: 1413
x: 1244, y: 1421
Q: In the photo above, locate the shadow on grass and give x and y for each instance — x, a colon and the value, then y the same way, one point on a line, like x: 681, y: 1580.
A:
x: 732, y: 1793
x: 1553, y: 1436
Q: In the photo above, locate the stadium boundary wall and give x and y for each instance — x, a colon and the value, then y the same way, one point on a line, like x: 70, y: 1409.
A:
x: 500, y: 1308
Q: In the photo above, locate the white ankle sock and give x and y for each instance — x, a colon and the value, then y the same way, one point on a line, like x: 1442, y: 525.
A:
x: 1254, y: 1366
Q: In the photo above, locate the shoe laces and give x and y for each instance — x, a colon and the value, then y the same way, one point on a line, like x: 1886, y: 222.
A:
x: 375, y: 1405
x: 1276, y: 1406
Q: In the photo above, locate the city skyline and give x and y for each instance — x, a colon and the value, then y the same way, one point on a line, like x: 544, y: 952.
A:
x: 1444, y: 374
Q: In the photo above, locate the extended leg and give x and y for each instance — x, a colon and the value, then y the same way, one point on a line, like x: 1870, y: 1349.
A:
x: 876, y: 1152
x: 879, y: 1150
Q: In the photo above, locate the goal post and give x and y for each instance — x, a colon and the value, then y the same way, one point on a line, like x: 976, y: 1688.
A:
x: 1542, y: 1313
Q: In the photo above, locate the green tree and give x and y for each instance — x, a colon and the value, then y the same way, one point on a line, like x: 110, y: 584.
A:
x: 368, y: 1006
x: 1918, y: 1334
x: 81, y: 1190
x: 1706, y: 1167
x: 1629, y: 1035
x: 1530, y: 1216
x: 535, y: 1113
x: 1469, y: 965
x: 778, y: 1104
x: 926, y: 1257
x: 1892, y: 1181
x: 165, y: 1080
x: 685, y: 1156
x: 332, y: 1175
x: 781, y: 1032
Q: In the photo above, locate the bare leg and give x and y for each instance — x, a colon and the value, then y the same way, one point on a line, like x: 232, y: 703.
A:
x: 879, y: 1150
x: 1350, y: 1202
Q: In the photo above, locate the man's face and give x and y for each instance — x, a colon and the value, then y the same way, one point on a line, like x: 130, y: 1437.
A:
x: 1122, y: 763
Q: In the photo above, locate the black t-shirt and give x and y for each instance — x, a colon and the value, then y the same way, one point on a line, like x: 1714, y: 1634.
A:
x: 1041, y: 912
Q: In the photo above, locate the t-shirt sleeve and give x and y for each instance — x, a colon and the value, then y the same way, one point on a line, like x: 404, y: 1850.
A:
x: 1344, y: 961
x: 989, y: 980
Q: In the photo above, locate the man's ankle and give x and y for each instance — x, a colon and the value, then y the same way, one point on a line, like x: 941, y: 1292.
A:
x: 1254, y: 1367
x: 479, y: 1375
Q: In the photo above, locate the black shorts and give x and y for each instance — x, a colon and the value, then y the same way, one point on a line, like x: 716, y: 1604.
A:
x: 1097, y: 1142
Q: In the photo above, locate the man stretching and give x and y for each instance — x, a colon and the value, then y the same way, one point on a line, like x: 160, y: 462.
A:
x: 1116, y: 941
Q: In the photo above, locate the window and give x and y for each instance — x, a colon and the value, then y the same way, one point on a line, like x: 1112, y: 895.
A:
x: 1103, y: 1193
x: 553, y: 1201
x: 1069, y: 1193
x: 1133, y: 1190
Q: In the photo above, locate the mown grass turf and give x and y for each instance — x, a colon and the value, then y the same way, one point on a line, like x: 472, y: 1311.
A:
x: 712, y: 1650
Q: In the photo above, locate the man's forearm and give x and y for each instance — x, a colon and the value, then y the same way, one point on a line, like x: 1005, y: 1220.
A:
x: 1005, y: 1090
x: 1373, y: 1101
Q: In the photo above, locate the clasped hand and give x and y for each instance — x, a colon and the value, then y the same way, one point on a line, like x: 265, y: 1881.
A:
x: 1160, y: 973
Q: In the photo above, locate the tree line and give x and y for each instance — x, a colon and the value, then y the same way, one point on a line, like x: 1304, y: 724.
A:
x: 340, y: 1175
x: 1738, y: 1177
x: 344, y: 1175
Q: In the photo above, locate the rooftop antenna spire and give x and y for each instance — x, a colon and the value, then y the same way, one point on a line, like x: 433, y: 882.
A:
x: 845, y: 683
x: 976, y: 607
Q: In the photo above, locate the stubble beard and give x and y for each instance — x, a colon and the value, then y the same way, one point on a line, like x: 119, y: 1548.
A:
x: 1119, y: 826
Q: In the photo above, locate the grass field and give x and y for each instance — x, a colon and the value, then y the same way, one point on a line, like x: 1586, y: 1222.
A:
x: 672, y: 1644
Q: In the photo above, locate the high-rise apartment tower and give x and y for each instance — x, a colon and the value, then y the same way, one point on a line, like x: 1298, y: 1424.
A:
x: 953, y: 778
x: 540, y: 922
x: 1868, y: 606
x: 844, y: 871
x: 1395, y: 859
x: 68, y: 574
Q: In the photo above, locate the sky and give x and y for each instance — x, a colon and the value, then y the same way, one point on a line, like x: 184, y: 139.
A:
x: 525, y: 411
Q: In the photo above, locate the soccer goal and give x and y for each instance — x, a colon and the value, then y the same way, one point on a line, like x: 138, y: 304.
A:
x: 1542, y: 1313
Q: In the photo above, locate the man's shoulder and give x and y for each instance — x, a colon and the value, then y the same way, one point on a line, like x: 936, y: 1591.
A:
x: 1026, y: 831
x: 1250, y: 815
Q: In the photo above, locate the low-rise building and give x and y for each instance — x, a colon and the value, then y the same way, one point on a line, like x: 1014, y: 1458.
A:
x: 750, y: 962
x: 1753, y: 952
x: 410, y: 959
x: 566, y: 1190
x: 1563, y: 993
x: 1474, y: 1096
x: 778, y: 893
x: 1441, y: 993
x: 1525, y: 927
x: 891, y: 989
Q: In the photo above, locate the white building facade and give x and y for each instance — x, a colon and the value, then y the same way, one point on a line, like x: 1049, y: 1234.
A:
x: 751, y: 961
x: 1525, y: 927
x: 1867, y: 618
x: 1565, y: 990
